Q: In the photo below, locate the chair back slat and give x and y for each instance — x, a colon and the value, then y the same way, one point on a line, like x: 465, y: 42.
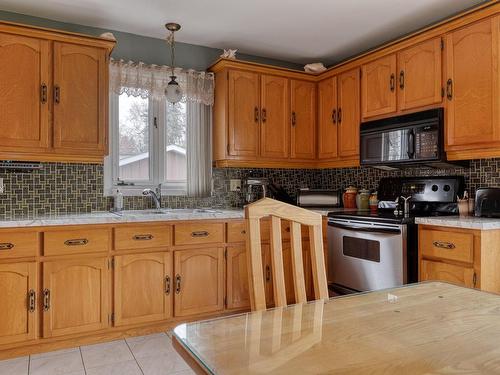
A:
x: 297, y: 263
x: 297, y: 216
x: 278, y: 274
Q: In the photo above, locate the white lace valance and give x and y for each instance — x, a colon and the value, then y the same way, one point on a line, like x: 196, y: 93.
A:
x: 139, y: 79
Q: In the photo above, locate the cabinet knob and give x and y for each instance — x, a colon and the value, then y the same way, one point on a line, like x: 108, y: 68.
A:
x: 449, y: 89
x: 200, y: 233
x: 43, y: 93
x: 46, y: 300
x: 256, y: 114
x: 142, y: 237
x: 294, y: 118
x: 402, y: 79
x: 264, y: 115
x: 31, y: 301
x: 392, y: 82
x: 167, y: 285
x: 444, y: 245
x: 6, y: 246
x: 76, y: 242
x: 339, y: 116
x: 334, y: 116
x: 177, y: 284
x: 57, y: 94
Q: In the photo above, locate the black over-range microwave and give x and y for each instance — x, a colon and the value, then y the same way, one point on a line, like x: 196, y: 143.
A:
x: 416, y: 138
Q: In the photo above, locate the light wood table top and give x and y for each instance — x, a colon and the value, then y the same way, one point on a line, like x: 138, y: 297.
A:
x: 428, y: 328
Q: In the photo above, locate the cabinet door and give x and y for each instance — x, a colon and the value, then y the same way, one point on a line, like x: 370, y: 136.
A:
x: 24, y: 107
x: 75, y: 296
x: 348, y: 116
x: 419, y: 79
x: 136, y: 273
x: 199, y: 281
x: 303, y: 106
x: 18, y: 312
x: 378, y: 87
x: 432, y: 271
x: 473, y: 86
x: 275, y: 112
x: 327, y: 117
x: 243, y: 113
x: 237, y: 278
x: 80, y: 99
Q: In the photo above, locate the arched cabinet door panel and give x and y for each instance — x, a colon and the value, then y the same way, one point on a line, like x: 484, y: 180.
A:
x: 75, y: 296
x: 18, y: 282
x: 24, y: 93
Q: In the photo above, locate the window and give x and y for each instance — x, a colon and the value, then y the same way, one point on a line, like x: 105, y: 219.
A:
x: 147, y: 146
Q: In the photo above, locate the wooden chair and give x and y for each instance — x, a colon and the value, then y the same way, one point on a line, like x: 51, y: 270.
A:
x: 297, y: 216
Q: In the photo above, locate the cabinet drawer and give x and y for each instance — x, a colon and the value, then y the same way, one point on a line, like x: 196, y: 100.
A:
x: 447, y: 245
x: 142, y: 237
x: 18, y: 244
x: 236, y: 231
x: 432, y: 271
x: 66, y: 242
x: 198, y: 233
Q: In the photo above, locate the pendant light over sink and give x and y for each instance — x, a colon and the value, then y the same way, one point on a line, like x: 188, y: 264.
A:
x: 173, y: 91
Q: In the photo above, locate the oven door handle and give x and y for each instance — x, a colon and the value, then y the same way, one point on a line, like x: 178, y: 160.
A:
x: 366, y: 229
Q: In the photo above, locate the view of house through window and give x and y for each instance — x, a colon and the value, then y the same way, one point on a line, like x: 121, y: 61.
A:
x: 175, y: 150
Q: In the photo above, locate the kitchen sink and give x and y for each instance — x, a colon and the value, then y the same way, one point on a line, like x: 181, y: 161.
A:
x: 167, y: 211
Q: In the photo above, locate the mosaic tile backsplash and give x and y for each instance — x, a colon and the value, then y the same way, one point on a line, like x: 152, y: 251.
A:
x: 59, y: 188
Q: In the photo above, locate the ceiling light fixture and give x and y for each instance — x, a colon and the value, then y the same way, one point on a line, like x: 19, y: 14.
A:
x: 173, y: 91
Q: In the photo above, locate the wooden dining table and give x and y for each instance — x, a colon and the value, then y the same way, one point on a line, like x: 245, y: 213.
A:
x: 426, y: 328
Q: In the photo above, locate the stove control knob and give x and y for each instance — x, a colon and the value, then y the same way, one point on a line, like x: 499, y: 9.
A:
x: 446, y: 188
x: 435, y: 188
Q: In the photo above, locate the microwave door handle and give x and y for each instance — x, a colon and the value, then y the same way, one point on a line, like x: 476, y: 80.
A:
x: 411, y: 144
x: 366, y: 229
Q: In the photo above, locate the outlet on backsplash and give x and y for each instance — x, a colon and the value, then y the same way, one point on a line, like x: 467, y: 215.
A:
x: 235, y: 185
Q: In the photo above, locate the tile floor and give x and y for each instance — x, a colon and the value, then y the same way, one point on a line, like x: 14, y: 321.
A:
x: 143, y: 355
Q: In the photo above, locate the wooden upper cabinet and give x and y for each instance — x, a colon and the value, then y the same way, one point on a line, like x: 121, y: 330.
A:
x: 199, y: 281
x: 80, y: 99
x: 136, y: 273
x: 327, y: 117
x: 419, y: 78
x: 75, y: 296
x: 243, y: 113
x: 24, y: 93
x: 18, y: 282
x: 472, y: 87
x: 274, y: 117
x: 303, y: 119
x: 378, y: 87
x: 348, y: 114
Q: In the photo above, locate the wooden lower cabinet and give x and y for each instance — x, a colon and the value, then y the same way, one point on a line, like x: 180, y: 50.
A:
x: 464, y: 276
x: 142, y: 288
x: 18, y: 311
x: 237, y: 294
x: 75, y: 296
x: 199, y: 281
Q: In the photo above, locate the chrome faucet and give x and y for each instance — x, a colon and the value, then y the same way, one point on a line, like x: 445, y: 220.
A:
x: 156, y: 196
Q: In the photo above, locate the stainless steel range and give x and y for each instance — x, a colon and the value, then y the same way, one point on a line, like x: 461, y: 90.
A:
x: 377, y: 250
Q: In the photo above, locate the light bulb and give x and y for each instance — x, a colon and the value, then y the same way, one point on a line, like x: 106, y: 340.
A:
x: 173, y: 91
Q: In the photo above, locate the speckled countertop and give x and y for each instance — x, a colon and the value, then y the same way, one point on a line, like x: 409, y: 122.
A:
x: 131, y: 217
x: 467, y: 222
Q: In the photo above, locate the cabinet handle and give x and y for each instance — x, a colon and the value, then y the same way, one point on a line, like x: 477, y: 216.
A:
x: 444, y: 245
x: 474, y: 280
x: 142, y: 237
x: 256, y: 114
x: 264, y: 115
x: 57, y: 94
x: 177, y: 284
x: 391, y: 82
x: 449, y: 89
x: 31, y: 301
x: 76, y: 242
x: 339, y: 116
x: 46, y: 300
x: 334, y: 116
x: 402, y: 79
x: 294, y: 118
x: 167, y: 285
x: 43, y: 93
x: 268, y: 273
x: 200, y: 233
x: 243, y: 231
x: 6, y: 246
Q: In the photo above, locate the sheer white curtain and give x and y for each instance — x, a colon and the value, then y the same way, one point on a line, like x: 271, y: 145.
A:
x: 150, y: 81
x: 199, y: 149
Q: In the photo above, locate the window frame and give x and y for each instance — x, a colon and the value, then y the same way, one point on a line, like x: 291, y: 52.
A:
x: 157, y: 158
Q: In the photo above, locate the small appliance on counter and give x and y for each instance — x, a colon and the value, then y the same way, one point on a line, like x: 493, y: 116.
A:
x: 318, y: 198
x: 487, y: 202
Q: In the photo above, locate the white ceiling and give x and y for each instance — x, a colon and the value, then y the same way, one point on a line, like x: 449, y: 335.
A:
x: 298, y: 31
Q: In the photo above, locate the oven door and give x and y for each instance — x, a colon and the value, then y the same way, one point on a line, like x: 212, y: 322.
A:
x: 366, y: 256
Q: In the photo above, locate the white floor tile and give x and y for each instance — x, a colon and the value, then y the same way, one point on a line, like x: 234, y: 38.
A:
x: 106, y: 353
x: 15, y: 366
x: 162, y: 364
x: 184, y: 372
x: 53, y: 353
x: 61, y: 364
x: 120, y: 368
x: 147, y: 346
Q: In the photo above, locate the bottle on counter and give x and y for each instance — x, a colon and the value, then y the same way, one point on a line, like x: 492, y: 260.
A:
x: 362, y: 199
x: 349, y: 197
x: 118, y: 203
x: 373, y: 202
